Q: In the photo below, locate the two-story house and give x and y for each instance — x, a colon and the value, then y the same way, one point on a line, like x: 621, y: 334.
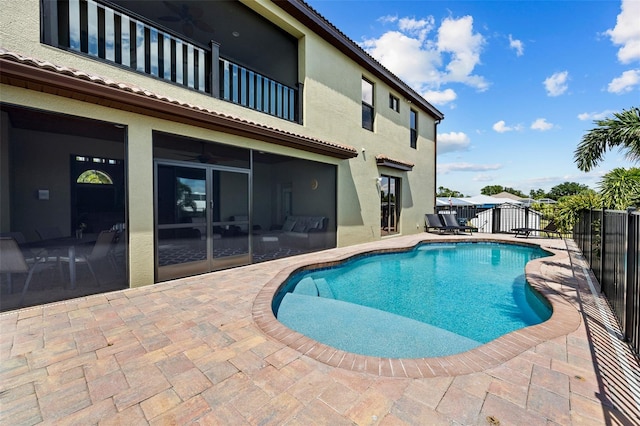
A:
x: 206, y: 134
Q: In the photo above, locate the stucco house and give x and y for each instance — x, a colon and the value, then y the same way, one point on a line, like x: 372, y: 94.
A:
x: 204, y: 134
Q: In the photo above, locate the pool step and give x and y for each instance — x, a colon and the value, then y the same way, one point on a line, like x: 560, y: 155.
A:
x: 306, y: 287
x: 318, y: 287
x: 323, y: 288
x: 367, y: 331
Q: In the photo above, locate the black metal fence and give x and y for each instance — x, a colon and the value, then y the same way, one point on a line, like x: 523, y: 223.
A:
x: 499, y: 219
x: 610, y: 241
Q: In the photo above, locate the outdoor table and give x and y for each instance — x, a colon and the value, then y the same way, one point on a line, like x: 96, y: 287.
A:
x: 57, y: 245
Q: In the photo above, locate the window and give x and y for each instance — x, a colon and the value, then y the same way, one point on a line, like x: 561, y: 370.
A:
x: 413, y: 125
x: 95, y: 177
x: 389, y: 204
x: 394, y: 103
x: 367, y: 104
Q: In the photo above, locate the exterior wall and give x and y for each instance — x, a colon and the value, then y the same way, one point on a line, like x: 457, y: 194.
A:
x: 332, y: 112
x: 333, y: 108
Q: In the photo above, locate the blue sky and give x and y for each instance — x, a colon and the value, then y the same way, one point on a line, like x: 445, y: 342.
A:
x: 519, y: 82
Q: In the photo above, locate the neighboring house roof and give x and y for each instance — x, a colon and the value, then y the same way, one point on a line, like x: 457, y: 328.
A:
x: 452, y: 201
x: 485, y: 200
x: 505, y: 194
x: 30, y: 73
x: 321, y: 26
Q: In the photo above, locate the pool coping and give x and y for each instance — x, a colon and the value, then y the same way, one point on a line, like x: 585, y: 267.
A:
x: 564, y: 319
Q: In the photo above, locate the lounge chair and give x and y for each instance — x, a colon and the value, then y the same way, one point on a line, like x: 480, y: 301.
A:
x: 550, y: 229
x: 451, y: 221
x: 12, y: 261
x: 433, y: 221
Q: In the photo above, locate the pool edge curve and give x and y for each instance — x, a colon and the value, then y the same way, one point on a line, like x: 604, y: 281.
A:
x: 564, y: 318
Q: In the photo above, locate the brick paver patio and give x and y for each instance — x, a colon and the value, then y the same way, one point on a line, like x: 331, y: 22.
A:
x: 203, y: 350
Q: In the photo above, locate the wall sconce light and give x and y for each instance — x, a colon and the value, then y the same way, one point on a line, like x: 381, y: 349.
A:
x: 379, y: 180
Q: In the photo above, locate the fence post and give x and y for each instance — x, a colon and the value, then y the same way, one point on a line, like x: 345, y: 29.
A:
x: 590, y: 229
x: 603, y: 234
x: 632, y: 259
x: 526, y: 216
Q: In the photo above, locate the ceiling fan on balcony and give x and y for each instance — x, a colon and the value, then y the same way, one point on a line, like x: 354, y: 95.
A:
x: 189, y: 14
x: 206, y: 157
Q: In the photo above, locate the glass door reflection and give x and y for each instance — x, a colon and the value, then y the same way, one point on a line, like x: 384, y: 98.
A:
x: 202, y: 215
x: 230, y: 218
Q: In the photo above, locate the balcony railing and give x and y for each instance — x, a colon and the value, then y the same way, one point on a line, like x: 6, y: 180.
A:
x: 102, y: 32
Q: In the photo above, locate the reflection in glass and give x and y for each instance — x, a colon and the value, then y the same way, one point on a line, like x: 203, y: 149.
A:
x: 92, y: 27
x: 125, y: 31
x: 179, y: 63
x: 367, y: 92
x: 140, y: 46
x: 166, y: 57
x: 74, y: 25
x: 389, y: 205
x: 190, y: 69
x: 153, y: 54
x: 230, y: 192
x: 201, y: 60
x: 109, y: 35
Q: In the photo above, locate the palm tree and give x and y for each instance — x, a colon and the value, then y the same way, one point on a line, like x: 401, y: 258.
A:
x: 623, y: 131
x: 620, y: 188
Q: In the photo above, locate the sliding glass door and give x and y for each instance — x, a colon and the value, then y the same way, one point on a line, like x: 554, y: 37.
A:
x: 389, y: 205
x: 202, y: 219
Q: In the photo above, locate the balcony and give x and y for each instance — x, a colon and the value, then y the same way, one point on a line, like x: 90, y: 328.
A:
x: 121, y: 37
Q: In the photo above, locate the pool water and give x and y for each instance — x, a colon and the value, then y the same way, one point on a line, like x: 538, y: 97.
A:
x: 434, y: 300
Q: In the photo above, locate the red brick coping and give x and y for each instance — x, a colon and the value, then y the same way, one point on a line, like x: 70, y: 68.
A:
x: 564, y: 320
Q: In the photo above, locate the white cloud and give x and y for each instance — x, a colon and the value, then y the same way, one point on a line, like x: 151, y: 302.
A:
x: 419, y: 27
x: 389, y: 19
x: 406, y: 57
x: 556, y: 85
x: 517, y: 45
x: 440, y: 97
x: 466, y: 167
x: 455, y: 36
x: 595, y: 115
x: 425, y: 58
x: 501, y: 127
x: 541, y: 124
x: 626, y: 33
x: 626, y: 82
x: 453, y: 141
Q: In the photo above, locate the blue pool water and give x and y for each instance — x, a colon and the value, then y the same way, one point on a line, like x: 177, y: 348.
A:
x: 434, y: 300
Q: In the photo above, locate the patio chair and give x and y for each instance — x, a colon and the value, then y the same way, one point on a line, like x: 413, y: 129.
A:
x: 100, y: 252
x: 433, y: 221
x: 550, y: 229
x: 49, y: 233
x: 12, y: 261
x: 451, y: 220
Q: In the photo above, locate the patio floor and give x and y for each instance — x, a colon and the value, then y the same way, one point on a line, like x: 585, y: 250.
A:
x: 204, y: 350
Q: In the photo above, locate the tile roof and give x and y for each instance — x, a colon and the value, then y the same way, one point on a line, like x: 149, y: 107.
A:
x: 383, y: 160
x: 221, y: 120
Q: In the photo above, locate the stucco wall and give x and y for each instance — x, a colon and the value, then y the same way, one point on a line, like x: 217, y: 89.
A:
x: 332, y: 112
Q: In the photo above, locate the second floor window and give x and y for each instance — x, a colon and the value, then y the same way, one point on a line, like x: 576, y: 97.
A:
x: 413, y: 125
x: 367, y: 104
x: 394, y: 103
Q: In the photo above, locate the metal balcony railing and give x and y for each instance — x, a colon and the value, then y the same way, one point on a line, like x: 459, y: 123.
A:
x: 105, y: 33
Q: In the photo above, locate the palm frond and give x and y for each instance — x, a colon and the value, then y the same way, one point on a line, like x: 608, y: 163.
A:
x: 622, y: 131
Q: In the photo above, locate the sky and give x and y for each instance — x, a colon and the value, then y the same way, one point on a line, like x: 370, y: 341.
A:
x: 519, y: 82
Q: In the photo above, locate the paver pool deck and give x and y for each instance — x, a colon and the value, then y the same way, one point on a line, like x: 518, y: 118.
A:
x: 206, y: 350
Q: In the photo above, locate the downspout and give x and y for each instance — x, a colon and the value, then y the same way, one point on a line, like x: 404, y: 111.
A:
x: 435, y: 162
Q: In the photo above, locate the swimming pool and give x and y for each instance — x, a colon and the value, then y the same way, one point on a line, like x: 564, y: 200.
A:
x: 433, y: 300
